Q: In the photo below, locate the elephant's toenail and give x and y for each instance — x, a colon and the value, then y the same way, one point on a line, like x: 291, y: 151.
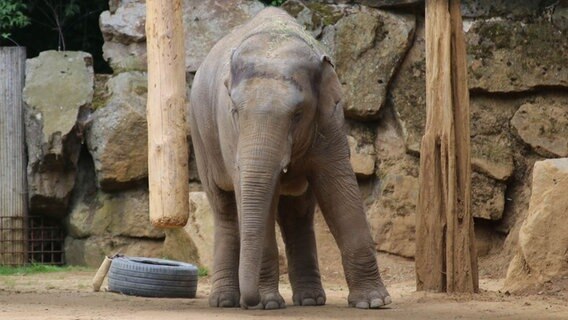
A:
x: 362, y: 305
x: 308, y: 302
x: 387, y: 300
x: 321, y: 301
x: 375, y: 303
x: 270, y: 305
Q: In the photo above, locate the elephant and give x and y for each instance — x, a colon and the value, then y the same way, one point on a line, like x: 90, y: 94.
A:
x: 267, y: 129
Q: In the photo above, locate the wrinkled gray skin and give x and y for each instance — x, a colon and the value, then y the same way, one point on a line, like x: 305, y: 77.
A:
x: 269, y: 141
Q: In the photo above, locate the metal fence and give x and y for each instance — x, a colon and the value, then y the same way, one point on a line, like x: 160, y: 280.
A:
x: 36, y: 239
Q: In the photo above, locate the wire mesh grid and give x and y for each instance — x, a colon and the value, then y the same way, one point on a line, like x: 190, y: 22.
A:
x: 36, y: 239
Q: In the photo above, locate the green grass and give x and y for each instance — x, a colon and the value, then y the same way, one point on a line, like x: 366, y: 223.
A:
x: 34, y: 268
x: 202, y: 272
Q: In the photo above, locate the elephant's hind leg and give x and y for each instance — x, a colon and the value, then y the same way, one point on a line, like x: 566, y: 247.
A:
x: 296, y: 219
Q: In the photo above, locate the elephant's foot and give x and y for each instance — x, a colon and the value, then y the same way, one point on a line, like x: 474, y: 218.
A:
x: 224, y: 299
x: 306, y: 296
x: 372, y: 298
x: 268, y: 301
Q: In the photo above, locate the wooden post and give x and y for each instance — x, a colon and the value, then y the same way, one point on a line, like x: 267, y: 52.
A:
x: 167, y: 130
x: 13, y: 187
x: 446, y: 258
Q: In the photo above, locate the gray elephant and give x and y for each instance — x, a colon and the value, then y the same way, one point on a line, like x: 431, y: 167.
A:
x: 267, y: 130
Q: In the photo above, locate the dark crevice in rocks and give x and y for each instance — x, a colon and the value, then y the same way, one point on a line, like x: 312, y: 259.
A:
x: 113, y: 186
x: 544, y: 89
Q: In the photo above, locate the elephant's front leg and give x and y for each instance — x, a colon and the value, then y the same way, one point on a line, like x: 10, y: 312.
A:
x: 270, y: 297
x: 225, y: 280
x: 269, y: 273
x: 338, y: 195
x: 296, y: 219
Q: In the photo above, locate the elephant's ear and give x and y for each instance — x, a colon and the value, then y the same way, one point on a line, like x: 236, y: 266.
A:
x: 329, y: 108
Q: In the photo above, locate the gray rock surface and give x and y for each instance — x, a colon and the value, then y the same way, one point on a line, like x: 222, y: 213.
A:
x: 393, y: 216
x: 121, y: 214
x: 515, y: 56
x: 124, y: 25
x: 117, y: 138
x: 194, y: 243
x: 57, y: 93
x: 130, y: 215
x: 369, y: 46
x: 57, y: 85
x: 205, y: 22
x: 125, y: 57
x: 408, y: 92
x: 488, y: 197
x: 494, y: 8
x: 543, y: 125
x: 91, y: 217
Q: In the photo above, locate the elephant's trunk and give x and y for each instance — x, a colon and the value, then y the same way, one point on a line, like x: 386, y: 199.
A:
x: 262, y: 155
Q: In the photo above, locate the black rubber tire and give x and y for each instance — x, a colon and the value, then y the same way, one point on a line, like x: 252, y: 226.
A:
x: 149, y: 277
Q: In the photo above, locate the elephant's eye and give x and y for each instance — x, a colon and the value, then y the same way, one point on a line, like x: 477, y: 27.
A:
x: 297, y: 116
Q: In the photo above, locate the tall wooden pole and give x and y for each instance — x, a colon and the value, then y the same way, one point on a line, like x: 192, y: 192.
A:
x: 13, y: 188
x: 167, y: 130
x: 446, y: 258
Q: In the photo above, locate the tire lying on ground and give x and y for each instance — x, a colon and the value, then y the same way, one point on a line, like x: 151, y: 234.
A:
x: 149, y: 277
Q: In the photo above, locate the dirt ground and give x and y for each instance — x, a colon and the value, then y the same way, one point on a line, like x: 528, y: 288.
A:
x: 68, y: 296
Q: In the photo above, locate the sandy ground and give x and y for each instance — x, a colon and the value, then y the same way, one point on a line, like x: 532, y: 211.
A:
x: 68, y: 295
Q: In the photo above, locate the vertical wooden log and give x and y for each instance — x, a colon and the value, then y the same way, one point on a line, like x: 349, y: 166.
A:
x: 13, y: 188
x: 464, y: 255
x: 446, y: 259
x: 167, y: 130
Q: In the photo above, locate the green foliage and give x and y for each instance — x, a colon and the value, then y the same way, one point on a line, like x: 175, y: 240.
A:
x: 34, y: 268
x: 63, y: 25
x: 12, y: 17
x: 202, y: 272
x: 274, y: 3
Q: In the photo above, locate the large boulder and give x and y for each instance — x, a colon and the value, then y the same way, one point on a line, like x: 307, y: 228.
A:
x: 194, y: 243
x: 515, y: 56
x: 543, y: 238
x: 126, y: 24
x: 368, y: 47
x: 491, y: 139
x: 57, y: 93
x: 123, y: 29
x: 495, y: 8
x: 120, y: 214
x: 367, y: 44
x: 117, y: 137
x: 314, y: 16
x: 205, y: 22
x: 131, y: 216
x: 543, y: 125
x: 362, y: 157
x: 488, y: 197
x: 90, y: 217
x: 361, y: 139
x: 408, y: 92
x: 392, y: 215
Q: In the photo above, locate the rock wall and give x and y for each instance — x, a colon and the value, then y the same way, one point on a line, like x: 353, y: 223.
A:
x: 91, y: 168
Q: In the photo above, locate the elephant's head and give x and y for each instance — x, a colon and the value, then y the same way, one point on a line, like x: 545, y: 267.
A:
x: 282, y: 90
